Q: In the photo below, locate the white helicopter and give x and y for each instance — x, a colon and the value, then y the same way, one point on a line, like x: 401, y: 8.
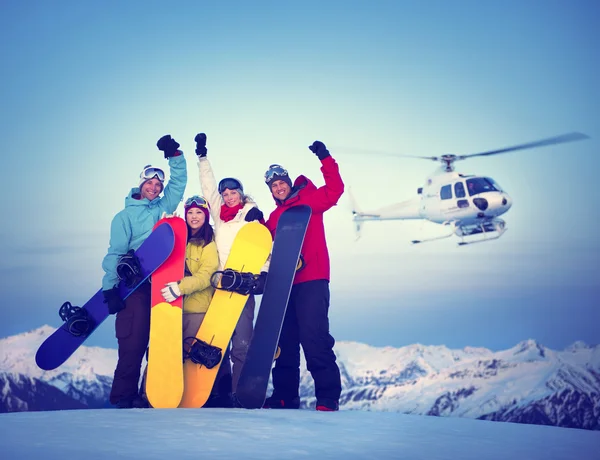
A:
x: 466, y: 204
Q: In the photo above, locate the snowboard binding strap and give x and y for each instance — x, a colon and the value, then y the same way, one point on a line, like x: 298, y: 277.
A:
x: 77, y: 320
x: 241, y: 282
x: 129, y: 269
x: 202, y: 353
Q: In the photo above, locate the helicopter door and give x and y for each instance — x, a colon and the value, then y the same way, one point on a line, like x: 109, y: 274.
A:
x: 446, y: 205
x: 459, y: 192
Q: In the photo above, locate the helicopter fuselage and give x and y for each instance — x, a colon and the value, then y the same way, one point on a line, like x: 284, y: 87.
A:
x: 468, y: 205
x: 466, y: 200
x: 448, y: 197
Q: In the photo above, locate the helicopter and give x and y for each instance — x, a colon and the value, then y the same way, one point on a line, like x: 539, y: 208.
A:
x: 467, y: 205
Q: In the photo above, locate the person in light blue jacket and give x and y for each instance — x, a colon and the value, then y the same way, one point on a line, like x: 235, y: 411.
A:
x: 129, y: 228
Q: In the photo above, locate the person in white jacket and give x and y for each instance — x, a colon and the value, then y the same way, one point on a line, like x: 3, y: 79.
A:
x: 230, y: 209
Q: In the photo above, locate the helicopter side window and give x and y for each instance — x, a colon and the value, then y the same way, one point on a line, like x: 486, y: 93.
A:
x: 446, y: 192
x: 459, y: 190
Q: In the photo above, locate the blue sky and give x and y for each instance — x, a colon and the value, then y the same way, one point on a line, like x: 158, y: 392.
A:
x: 88, y: 89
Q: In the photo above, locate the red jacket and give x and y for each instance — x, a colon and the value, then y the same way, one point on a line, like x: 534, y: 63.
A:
x: 314, y: 250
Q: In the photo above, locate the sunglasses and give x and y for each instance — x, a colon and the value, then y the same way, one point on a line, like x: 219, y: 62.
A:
x: 198, y: 200
x: 275, y: 170
x: 150, y: 172
x: 230, y: 183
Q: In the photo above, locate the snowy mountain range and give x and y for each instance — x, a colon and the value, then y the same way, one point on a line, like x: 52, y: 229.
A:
x: 528, y: 383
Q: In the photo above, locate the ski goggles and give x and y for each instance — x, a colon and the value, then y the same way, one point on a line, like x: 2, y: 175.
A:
x: 275, y: 170
x: 197, y: 200
x: 150, y: 172
x: 230, y: 183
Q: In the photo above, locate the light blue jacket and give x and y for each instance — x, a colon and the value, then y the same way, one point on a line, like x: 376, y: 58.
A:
x: 131, y: 226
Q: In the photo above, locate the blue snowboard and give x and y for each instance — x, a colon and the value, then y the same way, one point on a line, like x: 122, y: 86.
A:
x: 289, y: 237
x: 57, y: 348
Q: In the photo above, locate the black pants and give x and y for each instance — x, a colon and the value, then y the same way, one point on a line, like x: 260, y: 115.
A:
x: 306, y: 323
x: 132, y: 328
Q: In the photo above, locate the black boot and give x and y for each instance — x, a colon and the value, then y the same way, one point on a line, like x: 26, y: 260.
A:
x: 275, y: 402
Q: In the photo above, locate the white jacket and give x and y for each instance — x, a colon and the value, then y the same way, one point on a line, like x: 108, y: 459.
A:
x: 225, y: 232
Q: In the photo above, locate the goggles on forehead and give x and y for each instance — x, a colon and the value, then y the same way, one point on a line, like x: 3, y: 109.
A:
x: 198, y: 200
x: 275, y: 170
x: 230, y: 183
x: 150, y: 172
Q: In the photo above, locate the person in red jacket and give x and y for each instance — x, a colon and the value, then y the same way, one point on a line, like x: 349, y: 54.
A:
x: 306, y: 320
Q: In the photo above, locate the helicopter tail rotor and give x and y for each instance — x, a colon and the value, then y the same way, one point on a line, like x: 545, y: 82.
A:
x: 355, y: 213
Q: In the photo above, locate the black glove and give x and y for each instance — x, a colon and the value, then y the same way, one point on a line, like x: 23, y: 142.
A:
x: 113, y: 299
x: 168, y: 145
x: 201, y: 150
x: 254, y: 214
x: 319, y: 149
x: 260, y: 284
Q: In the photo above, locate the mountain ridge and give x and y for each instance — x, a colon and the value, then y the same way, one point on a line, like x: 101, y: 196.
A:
x: 527, y: 383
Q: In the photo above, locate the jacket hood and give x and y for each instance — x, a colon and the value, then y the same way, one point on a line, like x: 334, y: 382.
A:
x: 301, y: 183
x: 304, y: 182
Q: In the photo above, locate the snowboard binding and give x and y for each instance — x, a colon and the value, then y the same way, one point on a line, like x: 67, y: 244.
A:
x: 78, y: 322
x: 202, y: 353
x: 129, y: 269
x: 241, y: 282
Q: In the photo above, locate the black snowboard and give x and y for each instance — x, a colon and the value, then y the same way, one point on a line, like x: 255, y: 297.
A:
x: 252, y: 386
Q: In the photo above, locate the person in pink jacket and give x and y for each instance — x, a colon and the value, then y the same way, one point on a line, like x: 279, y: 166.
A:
x: 306, y: 319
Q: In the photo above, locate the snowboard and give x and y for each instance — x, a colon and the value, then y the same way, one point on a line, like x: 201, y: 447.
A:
x: 58, y: 347
x: 249, y: 253
x: 289, y: 237
x: 164, y: 380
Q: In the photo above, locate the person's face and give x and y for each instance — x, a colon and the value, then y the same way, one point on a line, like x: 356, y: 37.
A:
x: 231, y: 198
x: 280, y: 189
x: 195, y: 218
x: 151, y: 189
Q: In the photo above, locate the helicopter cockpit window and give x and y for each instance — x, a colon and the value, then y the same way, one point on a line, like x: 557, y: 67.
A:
x: 459, y: 190
x: 480, y: 185
x: 446, y: 192
x: 494, y: 183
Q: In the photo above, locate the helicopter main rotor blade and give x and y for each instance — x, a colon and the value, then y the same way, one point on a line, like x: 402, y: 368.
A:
x: 570, y: 137
x: 355, y: 151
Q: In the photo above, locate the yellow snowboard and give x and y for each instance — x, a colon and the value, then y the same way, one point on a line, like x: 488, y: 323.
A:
x: 250, y: 250
x: 164, y: 380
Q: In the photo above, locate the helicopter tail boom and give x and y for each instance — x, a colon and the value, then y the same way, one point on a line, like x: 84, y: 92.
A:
x: 408, y: 209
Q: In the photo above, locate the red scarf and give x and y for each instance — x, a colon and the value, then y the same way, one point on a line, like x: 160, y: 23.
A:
x: 228, y: 213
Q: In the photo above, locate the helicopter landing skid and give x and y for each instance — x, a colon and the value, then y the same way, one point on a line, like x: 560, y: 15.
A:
x: 452, y: 225
x: 490, y: 230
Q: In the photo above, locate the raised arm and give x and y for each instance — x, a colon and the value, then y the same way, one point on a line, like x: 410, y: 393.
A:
x: 175, y: 188
x: 207, y: 178
x: 329, y: 194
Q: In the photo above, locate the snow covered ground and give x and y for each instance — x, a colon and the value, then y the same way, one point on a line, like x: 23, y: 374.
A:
x: 276, y: 434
